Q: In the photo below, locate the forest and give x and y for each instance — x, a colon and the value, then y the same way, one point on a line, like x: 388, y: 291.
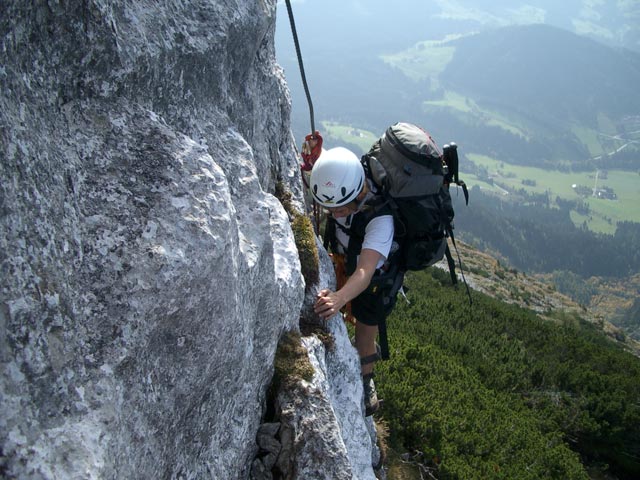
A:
x: 492, y: 391
x: 537, y: 238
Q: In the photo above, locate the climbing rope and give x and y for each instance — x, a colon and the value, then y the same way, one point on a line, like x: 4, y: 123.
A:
x: 312, y: 145
x: 300, y: 64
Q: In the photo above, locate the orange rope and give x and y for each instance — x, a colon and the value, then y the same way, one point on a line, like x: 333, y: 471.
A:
x: 339, y: 264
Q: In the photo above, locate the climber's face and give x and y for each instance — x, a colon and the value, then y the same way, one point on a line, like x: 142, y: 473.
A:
x: 339, y: 212
x: 349, y: 208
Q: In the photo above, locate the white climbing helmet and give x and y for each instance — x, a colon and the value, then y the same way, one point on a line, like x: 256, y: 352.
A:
x: 337, y: 177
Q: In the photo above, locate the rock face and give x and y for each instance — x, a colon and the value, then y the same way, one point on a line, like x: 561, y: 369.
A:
x: 146, y: 271
x: 322, y: 419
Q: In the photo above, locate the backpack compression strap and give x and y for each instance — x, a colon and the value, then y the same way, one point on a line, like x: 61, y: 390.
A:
x: 452, y: 266
x: 382, y: 326
x: 465, y: 191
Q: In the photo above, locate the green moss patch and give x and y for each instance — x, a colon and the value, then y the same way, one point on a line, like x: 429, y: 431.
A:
x: 292, y: 362
x: 304, y: 237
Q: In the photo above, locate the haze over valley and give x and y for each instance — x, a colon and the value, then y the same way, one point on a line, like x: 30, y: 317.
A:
x: 541, y: 99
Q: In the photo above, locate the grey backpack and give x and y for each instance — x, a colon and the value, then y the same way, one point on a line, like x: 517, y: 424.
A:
x: 413, y: 175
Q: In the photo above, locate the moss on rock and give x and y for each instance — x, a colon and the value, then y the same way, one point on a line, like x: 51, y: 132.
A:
x: 304, y: 235
x: 307, y: 250
x: 291, y: 362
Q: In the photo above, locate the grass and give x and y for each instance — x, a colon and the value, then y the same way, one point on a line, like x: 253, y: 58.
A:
x: 304, y: 236
x: 362, y: 138
x: 460, y: 103
x: 599, y: 141
x: 423, y: 60
x: 454, y: 101
x: 604, y: 213
x: 589, y: 138
x: 605, y: 124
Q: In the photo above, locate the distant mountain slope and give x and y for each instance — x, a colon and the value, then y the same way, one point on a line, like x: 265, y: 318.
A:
x: 527, y: 94
x: 556, y: 74
x: 486, y: 274
x: 614, y: 23
x: 377, y: 23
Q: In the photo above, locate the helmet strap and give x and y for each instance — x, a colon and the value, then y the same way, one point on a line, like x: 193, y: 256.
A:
x: 361, y: 198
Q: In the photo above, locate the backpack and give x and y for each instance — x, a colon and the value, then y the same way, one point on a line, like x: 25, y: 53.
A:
x: 413, y: 176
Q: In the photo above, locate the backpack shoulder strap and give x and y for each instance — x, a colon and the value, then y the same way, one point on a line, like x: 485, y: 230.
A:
x: 330, y: 241
x: 356, y: 232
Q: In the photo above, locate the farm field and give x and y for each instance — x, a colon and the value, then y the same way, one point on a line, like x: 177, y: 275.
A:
x: 362, y: 138
x: 423, y: 60
x: 604, y: 213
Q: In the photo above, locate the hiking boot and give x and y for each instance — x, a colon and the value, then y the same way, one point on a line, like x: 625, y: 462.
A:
x: 371, y: 403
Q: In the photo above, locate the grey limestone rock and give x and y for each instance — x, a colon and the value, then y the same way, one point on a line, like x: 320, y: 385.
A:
x: 146, y: 271
x: 324, y: 433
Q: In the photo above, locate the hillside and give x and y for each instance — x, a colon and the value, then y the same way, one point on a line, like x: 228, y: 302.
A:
x: 496, y: 391
x: 596, y: 270
x: 531, y: 95
x: 485, y: 274
x: 528, y: 94
x: 551, y: 109
x: 548, y: 72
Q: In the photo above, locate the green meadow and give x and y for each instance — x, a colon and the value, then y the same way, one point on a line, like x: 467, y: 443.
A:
x: 423, y: 60
x: 604, y: 214
x: 356, y: 136
x: 474, y: 112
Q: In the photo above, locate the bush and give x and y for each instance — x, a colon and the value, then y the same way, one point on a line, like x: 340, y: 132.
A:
x: 492, y: 391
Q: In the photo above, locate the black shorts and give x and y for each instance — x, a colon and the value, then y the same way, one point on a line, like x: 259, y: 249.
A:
x: 375, y: 304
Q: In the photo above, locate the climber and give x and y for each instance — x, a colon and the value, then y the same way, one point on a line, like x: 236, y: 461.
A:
x: 338, y: 183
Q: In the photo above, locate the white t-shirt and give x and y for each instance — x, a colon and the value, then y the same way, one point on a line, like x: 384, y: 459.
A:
x: 378, y: 235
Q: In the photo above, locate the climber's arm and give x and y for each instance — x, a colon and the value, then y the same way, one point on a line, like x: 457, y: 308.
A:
x: 329, y: 303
